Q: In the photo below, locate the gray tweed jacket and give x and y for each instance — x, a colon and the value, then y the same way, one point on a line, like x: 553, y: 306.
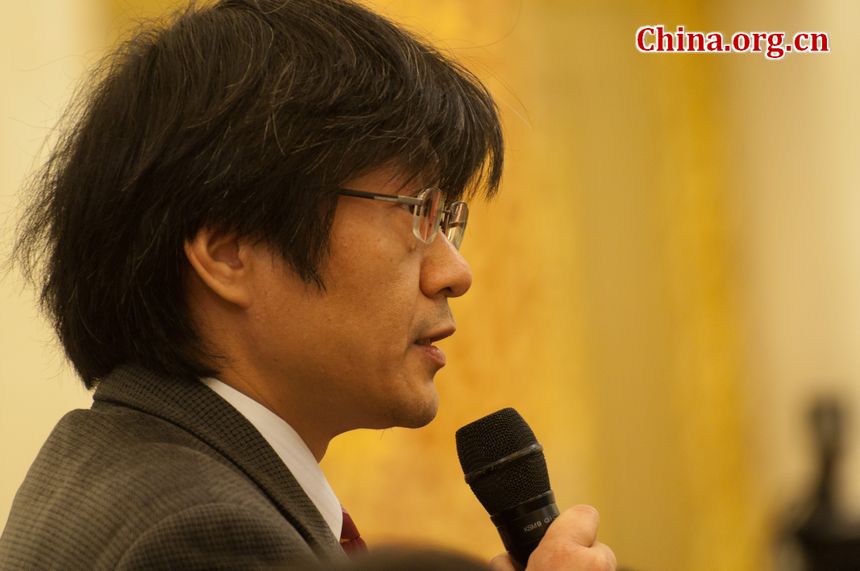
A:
x: 161, y: 474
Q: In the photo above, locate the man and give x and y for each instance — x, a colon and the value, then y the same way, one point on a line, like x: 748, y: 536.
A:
x: 248, y: 240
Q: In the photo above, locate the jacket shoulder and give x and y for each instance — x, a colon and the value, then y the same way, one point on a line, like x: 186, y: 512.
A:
x: 109, y: 481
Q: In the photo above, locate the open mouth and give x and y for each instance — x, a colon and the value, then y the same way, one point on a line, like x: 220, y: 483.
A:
x: 436, y: 355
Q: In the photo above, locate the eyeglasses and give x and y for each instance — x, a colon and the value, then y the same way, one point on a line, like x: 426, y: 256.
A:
x: 429, y: 213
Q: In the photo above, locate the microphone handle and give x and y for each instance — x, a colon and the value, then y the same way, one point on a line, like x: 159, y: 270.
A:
x: 523, y: 526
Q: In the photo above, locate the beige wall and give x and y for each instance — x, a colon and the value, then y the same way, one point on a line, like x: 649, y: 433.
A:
x: 794, y: 143
x: 45, y: 46
x: 671, y: 269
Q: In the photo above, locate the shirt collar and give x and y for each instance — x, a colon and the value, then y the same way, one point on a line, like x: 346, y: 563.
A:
x: 290, y: 447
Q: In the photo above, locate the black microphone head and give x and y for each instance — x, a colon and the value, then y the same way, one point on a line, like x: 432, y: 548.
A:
x: 502, y: 485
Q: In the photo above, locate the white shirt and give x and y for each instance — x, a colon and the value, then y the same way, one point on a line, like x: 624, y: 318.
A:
x: 290, y: 447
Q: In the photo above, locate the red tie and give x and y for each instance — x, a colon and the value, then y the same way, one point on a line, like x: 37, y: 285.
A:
x: 350, y: 539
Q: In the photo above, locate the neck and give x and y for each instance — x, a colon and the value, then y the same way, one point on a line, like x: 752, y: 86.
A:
x: 316, y: 441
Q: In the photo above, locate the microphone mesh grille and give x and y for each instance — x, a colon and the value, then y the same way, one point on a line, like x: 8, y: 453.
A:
x: 492, y: 438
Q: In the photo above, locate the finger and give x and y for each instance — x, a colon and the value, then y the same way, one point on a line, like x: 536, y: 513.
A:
x: 502, y: 563
x: 577, y: 524
x: 605, y: 555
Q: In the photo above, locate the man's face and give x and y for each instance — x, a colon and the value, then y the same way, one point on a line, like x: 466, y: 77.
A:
x: 357, y: 354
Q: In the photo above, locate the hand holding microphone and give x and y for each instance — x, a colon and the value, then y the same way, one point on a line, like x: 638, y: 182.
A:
x: 506, y: 469
x: 570, y: 544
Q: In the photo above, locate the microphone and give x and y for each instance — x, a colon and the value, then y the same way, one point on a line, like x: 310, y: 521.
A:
x: 505, y: 467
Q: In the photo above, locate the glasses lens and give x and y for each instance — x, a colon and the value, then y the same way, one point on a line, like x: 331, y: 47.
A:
x: 429, y: 214
x: 455, y: 227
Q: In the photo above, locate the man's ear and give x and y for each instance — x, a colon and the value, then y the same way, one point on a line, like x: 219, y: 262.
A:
x: 223, y: 263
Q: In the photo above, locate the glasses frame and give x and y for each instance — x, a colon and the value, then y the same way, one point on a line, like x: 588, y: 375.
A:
x: 452, y: 216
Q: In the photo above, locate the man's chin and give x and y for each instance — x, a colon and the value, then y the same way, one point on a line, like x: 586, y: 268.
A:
x: 417, y: 413
x: 419, y: 421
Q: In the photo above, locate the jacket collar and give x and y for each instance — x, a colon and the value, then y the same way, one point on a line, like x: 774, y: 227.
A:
x: 195, y: 408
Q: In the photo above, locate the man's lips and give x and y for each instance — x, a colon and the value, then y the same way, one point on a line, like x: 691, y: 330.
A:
x: 438, y: 335
x: 425, y: 344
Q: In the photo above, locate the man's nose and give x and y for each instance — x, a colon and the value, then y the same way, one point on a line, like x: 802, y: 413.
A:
x: 445, y: 271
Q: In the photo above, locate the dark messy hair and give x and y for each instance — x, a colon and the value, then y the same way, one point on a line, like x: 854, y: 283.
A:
x: 243, y: 116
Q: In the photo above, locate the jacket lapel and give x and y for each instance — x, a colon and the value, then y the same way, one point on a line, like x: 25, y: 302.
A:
x: 195, y: 408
